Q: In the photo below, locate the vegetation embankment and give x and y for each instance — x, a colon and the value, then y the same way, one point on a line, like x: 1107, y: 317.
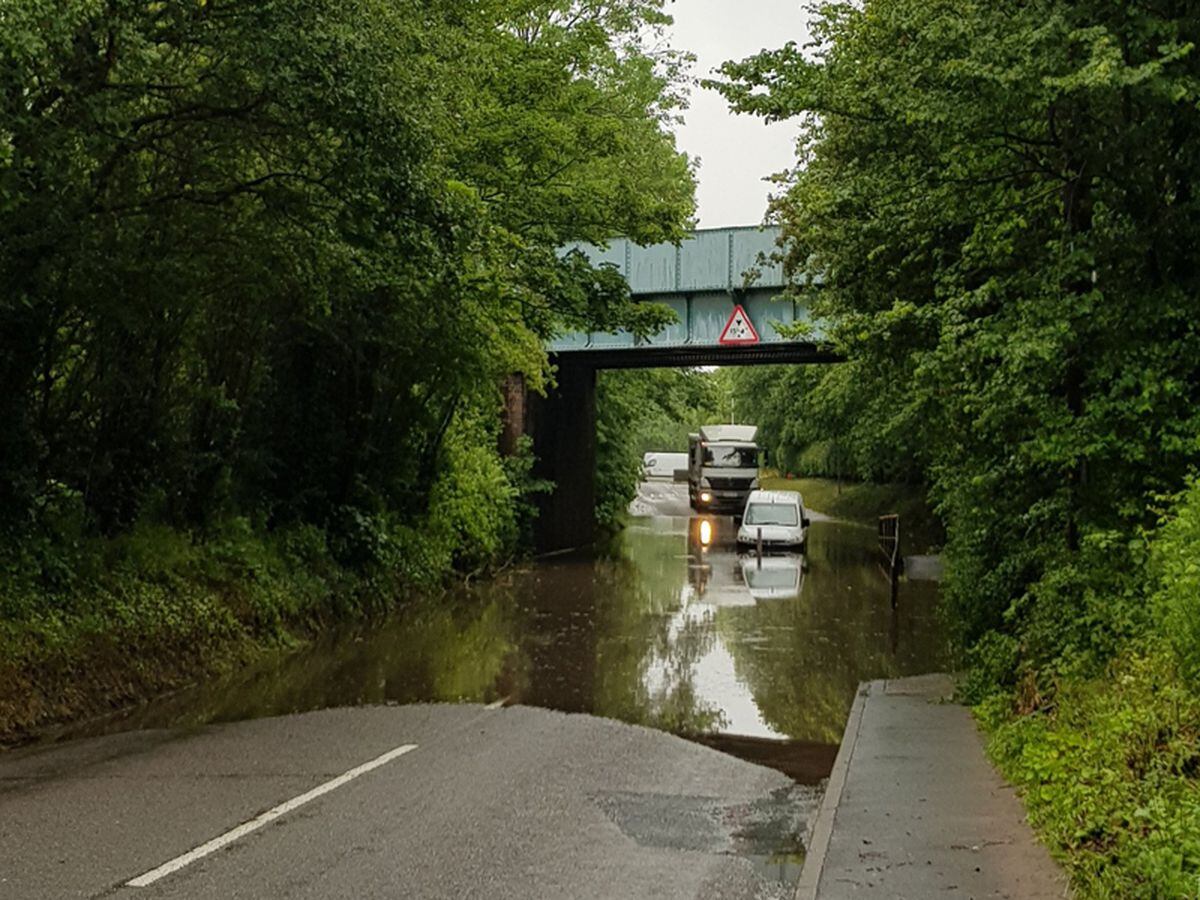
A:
x: 995, y: 215
x: 263, y: 268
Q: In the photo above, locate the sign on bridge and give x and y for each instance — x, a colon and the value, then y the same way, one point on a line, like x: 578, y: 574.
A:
x: 739, y: 329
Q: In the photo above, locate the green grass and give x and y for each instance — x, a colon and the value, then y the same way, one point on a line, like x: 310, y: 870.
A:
x: 866, y: 502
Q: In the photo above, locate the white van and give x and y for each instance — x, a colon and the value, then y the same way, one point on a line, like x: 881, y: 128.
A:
x: 778, y: 516
x: 664, y: 466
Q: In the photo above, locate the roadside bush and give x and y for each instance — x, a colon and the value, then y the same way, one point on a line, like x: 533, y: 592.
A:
x: 1104, y: 738
x: 526, y: 487
x: 1175, y: 561
x: 471, y: 507
x: 992, y: 667
x: 1109, y: 772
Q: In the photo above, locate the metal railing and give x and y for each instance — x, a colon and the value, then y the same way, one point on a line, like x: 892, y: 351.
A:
x: 891, y: 561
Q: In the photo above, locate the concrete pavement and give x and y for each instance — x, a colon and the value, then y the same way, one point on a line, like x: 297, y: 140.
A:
x: 914, y: 810
x: 518, y: 802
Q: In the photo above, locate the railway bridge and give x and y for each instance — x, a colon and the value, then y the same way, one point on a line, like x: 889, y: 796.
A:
x: 726, y: 293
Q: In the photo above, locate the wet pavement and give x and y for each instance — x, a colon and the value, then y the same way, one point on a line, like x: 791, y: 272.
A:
x: 669, y: 627
x: 914, y: 808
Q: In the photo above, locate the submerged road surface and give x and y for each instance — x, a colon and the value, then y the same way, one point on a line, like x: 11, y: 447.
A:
x: 415, y: 801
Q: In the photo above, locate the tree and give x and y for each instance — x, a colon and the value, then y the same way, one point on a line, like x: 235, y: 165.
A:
x: 999, y: 198
x: 261, y: 258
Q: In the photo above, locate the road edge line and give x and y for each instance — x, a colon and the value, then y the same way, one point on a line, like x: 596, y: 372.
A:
x: 822, y: 830
x: 251, y: 825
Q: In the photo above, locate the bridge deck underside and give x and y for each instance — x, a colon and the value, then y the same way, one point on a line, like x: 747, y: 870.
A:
x: 651, y: 356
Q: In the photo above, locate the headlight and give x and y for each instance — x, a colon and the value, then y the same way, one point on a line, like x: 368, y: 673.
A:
x: 705, y: 497
x: 705, y: 532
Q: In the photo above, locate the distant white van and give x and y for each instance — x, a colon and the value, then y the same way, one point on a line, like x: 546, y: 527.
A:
x: 779, y: 517
x: 662, y: 466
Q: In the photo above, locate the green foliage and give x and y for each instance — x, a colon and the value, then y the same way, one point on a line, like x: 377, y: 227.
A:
x: 1175, y: 559
x: 1109, y: 774
x: 992, y: 671
x: 642, y: 410
x: 264, y: 267
x: 257, y: 258
x: 524, y: 488
x: 994, y: 212
x: 820, y: 421
x: 473, y: 503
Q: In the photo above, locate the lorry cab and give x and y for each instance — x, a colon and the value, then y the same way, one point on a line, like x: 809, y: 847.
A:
x: 723, y: 463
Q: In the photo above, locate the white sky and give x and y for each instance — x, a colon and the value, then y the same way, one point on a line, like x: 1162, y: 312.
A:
x: 736, y: 152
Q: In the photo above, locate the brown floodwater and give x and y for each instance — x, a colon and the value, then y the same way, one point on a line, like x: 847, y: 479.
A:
x: 666, y: 627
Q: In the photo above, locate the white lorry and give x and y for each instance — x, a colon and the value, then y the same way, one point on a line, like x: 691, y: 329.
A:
x: 723, y: 465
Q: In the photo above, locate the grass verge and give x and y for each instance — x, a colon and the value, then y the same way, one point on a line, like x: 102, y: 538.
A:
x: 157, y: 610
x: 866, y: 502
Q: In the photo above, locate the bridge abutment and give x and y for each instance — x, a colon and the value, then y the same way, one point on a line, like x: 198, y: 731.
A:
x: 563, y: 428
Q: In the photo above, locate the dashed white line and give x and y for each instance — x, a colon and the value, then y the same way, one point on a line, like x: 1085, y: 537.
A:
x: 262, y: 819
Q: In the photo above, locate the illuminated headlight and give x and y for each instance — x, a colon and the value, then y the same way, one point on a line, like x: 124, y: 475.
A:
x: 705, y: 497
x: 705, y: 532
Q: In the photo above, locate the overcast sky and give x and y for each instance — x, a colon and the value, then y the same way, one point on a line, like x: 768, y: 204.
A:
x: 736, y: 152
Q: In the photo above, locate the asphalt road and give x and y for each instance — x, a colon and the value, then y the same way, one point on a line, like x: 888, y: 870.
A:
x: 496, y: 803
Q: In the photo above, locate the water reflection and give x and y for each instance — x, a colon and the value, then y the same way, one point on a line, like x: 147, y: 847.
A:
x: 669, y: 627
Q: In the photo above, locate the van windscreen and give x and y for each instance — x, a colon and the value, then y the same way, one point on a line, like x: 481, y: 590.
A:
x: 770, y: 514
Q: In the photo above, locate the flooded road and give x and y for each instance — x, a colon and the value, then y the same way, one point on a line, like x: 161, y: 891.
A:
x: 662, y: 629
x: 668, y: 627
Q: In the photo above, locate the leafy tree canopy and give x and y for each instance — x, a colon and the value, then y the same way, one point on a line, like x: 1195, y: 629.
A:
x: 263, y: 257
x: 999, y: 199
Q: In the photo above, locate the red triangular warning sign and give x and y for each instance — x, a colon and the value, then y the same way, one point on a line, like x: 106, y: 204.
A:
x: 739, y: 329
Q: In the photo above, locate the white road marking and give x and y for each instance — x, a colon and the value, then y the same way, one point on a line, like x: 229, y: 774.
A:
x: 496, y: 704
x: 259, y: 821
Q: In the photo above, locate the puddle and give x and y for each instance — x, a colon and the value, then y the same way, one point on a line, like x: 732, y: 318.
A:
x: 767, y: 833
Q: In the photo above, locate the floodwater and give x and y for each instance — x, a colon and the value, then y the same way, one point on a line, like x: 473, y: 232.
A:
x: 668, y: 627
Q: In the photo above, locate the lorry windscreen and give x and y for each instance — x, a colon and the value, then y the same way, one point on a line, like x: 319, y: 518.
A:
x: 731, y: 457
